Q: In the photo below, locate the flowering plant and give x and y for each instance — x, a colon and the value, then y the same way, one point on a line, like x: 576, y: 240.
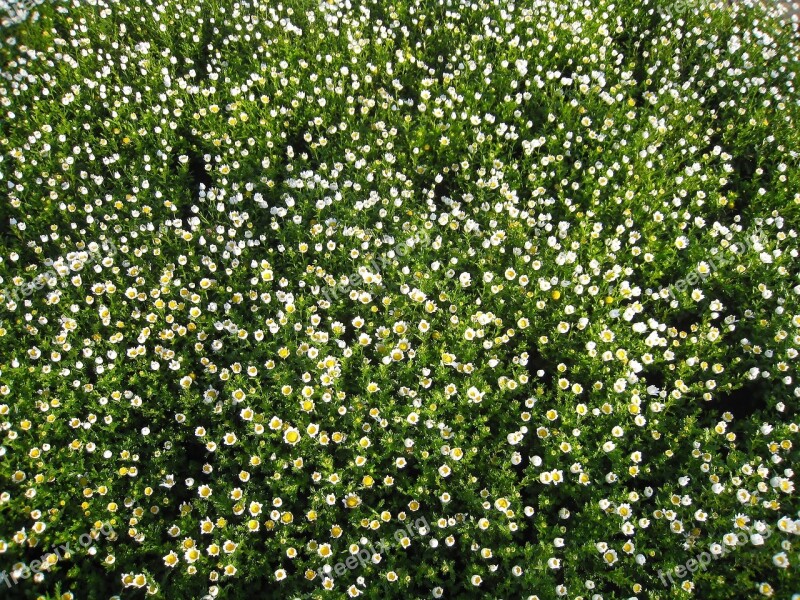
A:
x: 349, y: 298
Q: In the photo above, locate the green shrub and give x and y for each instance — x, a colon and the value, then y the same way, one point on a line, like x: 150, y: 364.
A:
x: 281, y: 280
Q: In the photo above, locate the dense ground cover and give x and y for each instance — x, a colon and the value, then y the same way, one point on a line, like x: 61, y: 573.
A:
x: 281, y: 280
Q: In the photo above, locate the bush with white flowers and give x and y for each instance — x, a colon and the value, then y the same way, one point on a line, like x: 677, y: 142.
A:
x: 399, y: 299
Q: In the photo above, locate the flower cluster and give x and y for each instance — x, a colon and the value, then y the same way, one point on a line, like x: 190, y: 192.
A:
x: 312, y: 273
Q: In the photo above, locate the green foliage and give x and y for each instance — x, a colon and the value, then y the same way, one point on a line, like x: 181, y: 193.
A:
x: 517, y: 281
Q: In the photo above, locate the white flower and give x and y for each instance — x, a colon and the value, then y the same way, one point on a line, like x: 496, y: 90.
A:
x: 781, y: 560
